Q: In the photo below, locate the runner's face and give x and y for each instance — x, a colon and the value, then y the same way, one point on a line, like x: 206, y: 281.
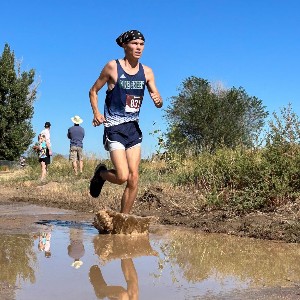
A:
x: 135, y: 48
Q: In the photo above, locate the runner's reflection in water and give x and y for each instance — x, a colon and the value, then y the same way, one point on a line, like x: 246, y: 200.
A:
x: 103, y: 290
x: 125, y: 248
x: 76, y: 248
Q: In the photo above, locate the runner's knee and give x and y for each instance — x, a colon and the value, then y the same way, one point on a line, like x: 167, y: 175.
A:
x: 133, y: 179
x: 121, y: 177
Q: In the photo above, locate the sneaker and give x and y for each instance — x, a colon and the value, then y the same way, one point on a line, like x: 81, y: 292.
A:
x: 97, y: 182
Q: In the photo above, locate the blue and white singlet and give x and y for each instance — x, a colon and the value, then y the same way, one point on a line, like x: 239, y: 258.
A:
x: 123, y: 102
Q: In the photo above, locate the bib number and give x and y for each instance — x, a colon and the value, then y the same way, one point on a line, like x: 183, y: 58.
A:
x: 133, y: 103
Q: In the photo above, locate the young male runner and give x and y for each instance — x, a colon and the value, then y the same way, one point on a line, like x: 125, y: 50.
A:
x: 126, y: 80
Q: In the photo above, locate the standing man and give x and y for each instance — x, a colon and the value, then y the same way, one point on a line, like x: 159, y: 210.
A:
x: 126, y: 80
x: 76, y: 134
x: 46, y: 133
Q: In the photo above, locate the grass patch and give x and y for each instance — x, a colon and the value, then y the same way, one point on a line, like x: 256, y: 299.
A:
x: 240, y: 179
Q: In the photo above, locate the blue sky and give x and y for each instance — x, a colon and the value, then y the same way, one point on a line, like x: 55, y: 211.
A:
x: 253, y: 44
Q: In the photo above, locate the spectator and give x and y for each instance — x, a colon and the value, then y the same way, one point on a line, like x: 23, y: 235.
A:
x: 46, y: 133
x: 42, y: 155
x: 76, y: 134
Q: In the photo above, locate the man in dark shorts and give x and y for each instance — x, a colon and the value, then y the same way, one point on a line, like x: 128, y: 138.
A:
x: 76, y: 134
x: 126, y: 80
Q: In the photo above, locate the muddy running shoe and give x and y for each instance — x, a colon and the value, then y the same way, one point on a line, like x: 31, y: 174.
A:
x: 97, y: 182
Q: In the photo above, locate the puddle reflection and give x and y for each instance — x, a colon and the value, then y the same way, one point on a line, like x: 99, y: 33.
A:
x: 109, y: 247
x: 17, y: 261
x: 125, y: 248
x: 253, y: 262
x: 44, y: 244
x: 167, y: 263
x: 102, y: 289
x: 76, y: 248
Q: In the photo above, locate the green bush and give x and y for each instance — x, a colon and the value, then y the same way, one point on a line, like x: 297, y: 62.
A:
x: 242, y: 178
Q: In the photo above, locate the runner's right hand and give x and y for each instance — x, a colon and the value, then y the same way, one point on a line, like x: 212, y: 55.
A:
x: 98, y: 119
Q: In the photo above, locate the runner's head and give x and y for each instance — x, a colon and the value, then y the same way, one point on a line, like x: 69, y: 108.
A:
x: 128, y: 36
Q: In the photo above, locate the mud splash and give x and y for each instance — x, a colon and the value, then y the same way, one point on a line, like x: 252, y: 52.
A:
x: 107, y: 221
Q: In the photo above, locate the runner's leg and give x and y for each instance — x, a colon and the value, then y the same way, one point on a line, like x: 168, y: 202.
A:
x: 119, y: 174
x: 133, y: 156
x: 126, y: 165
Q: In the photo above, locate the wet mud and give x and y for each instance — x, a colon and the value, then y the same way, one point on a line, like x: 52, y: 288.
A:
x: 111, y: 222
x: 280, y: 223
x: 173, y: 208
x: 169, y: 262
x: 270, y: 272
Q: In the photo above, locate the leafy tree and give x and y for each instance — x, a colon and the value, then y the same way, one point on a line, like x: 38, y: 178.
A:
x: 17, y: 94
x: 284, y: 128
x: 203, y: 117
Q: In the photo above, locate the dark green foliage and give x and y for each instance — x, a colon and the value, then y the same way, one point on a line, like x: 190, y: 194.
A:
x: 203, y: 118
x: 284, y: 129
x: 246, y: 179
x: 16, y: 107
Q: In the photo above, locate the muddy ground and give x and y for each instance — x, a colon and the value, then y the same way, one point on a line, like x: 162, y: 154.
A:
x: 280, y: 224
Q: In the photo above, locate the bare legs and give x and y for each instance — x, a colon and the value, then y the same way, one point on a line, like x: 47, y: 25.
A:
x: 44, y: 170
x: 133, y: 156
x: 74, y: 165
x: 126, y: 165
x: 103, y: 290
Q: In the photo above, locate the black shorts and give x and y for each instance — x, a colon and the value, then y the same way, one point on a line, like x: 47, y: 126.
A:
x: 46, y: 159
x: 128, y: 134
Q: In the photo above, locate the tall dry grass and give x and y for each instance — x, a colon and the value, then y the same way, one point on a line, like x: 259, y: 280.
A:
x: 63, y: 186
x: 240, y: 179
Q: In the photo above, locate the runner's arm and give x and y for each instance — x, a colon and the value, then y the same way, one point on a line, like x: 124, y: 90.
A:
x: 104, y: 77
x: 152, y: 89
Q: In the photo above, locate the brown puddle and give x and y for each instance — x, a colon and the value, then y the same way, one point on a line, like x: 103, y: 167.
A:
x: 68, y: 260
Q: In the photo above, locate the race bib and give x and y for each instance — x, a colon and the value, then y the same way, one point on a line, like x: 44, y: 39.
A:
x: 133, y: 103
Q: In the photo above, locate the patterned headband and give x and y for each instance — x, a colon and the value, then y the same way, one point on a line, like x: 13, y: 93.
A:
x: 128, y: 36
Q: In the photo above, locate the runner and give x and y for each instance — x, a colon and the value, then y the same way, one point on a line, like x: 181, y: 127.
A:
x: 126, y: 80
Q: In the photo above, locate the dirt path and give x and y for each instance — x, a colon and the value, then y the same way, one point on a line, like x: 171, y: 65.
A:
x: 280, y: 223
x: 22, y: 218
